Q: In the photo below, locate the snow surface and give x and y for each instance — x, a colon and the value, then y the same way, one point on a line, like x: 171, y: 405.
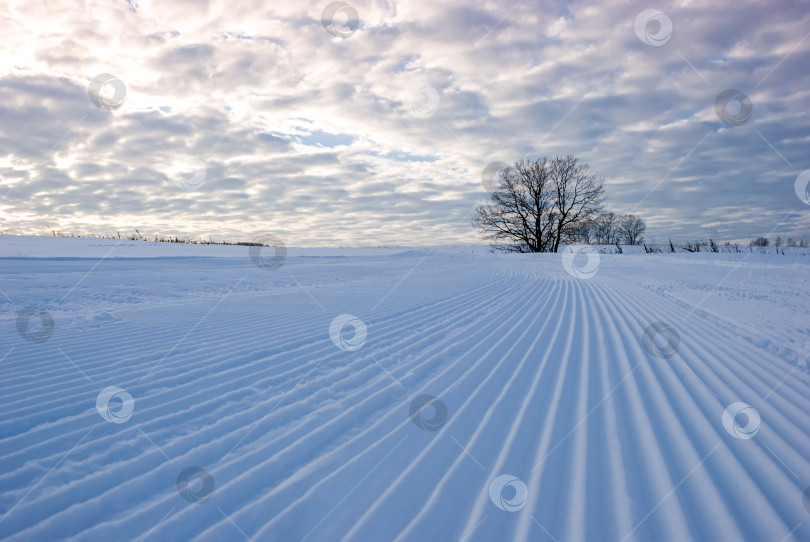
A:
x: 549, y: 416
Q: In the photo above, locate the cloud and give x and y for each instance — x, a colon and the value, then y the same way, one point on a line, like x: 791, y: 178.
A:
x: 242, y: 117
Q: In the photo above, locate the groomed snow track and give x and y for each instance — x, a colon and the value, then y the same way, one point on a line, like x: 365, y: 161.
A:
x: 544, y: 376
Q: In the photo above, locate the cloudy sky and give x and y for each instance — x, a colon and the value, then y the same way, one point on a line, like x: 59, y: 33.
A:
x: 371, y: 122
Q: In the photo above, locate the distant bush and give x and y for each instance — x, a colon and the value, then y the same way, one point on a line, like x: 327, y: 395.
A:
x: 709, y: 246
x: 759, y: 242
x: 137, y: 236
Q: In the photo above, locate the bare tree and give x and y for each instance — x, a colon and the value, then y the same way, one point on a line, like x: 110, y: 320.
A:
x: 520, y: 213
x: 778, y: 242
x: 579, y: 194
x: 605, y: 226
x: 581, y: 232
x: 535, y: 204
x: 631, y: 228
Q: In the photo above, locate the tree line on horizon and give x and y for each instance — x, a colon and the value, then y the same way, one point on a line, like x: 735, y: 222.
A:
x: 764, y: 242
x: 537, y: 205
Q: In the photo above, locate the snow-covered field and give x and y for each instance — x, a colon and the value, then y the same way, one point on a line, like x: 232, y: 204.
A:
x: 176, y: 392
